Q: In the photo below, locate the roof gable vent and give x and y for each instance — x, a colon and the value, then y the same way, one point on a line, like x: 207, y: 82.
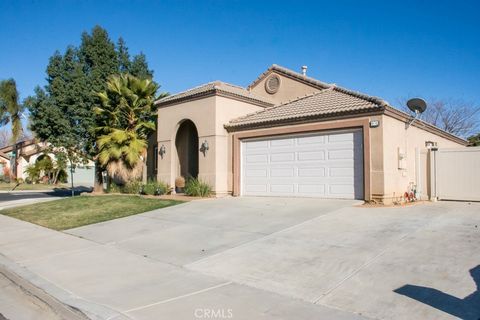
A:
x: 272, y: 84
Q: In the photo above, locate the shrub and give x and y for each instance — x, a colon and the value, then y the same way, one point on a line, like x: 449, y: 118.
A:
x: 156, y: 188
x: 132, y: 187
x: 33, y: 173
x: 197, y: 188
x: 63, y: 176
x: 114, y: 188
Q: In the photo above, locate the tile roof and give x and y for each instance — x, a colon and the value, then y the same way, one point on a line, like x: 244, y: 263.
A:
x: 331, y: 101
x: 292, y: 74
x: 5, y: 156
x: 216, y: 87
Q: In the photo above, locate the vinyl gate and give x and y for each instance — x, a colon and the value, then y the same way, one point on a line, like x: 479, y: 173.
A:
x: 455, y: 174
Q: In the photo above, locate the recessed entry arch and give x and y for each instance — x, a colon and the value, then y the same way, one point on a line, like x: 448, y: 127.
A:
x: 186, y: 145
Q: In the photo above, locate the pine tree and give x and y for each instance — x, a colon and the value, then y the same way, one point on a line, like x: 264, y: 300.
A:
x: 139, y: 67
x: 123, y: 56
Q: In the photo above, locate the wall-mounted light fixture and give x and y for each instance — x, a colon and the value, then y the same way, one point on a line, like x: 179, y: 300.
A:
x: 204, y: 147
x: 162, y: 151
x: 374, y: 123
x: 430, y: 144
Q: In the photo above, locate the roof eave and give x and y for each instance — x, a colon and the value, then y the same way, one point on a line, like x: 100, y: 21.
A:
x: 232, y: 127
x: 292, y: 75
x: 214, y: 92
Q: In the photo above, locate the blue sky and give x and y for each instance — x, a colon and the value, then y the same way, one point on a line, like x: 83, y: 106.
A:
x: 389, y: 49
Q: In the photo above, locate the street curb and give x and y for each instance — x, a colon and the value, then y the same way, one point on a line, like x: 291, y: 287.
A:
x: 64, y: 303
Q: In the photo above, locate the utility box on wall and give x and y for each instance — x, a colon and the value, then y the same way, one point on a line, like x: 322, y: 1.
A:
x: 402, y: 159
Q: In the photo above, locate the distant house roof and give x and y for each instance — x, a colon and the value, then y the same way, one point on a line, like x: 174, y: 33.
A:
x: 330, y: 101
x: 19, y: 145
x: 216, y: 88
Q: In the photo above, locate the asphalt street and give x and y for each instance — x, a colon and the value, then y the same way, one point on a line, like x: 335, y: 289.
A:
x: 31, y: 195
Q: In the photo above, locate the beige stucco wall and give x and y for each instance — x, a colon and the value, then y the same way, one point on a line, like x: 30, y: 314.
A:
x: 209, y: 115
x: 226, y: 110
x: 395, y: 136
x: 289, y: 89
x: 202, y: 114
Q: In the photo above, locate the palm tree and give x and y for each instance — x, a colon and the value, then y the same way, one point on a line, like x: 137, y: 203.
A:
x: 126, y: 116
x: 10, y: 109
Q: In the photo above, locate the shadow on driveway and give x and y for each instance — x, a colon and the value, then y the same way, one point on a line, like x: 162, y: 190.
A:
x: 467, y: 308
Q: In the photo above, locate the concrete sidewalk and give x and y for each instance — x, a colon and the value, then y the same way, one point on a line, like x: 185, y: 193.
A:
x: 260, y: 258
x: 105, y: 282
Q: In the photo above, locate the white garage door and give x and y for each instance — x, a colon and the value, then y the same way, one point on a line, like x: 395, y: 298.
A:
x: 325, y: 165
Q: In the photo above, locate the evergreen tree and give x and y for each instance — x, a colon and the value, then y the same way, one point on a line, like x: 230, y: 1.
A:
x: 62, y: 113
x: 139, y: 67
x: 123, y: 56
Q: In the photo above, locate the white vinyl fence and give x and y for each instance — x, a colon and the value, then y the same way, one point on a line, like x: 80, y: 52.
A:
x: 455, y: 174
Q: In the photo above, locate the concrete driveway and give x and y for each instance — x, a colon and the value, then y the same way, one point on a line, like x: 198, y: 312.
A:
x: 262, y: 258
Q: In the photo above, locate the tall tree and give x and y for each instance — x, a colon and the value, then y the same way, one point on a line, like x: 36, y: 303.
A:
x: 62, y: 113
x: 10, y: 108
x: 139, y: 67
x: 123, y: 56
x: 126, y: 118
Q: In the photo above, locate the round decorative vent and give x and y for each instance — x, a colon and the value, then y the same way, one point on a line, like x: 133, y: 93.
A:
x: 272, y: 84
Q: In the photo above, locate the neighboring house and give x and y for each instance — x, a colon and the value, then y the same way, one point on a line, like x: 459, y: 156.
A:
x: 290, y: 135
x: 29, y: 151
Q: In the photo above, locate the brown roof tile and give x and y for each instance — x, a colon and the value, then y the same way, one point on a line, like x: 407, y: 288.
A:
x: 216, y: 87
x: 292, y: 74
x: 326, y: 102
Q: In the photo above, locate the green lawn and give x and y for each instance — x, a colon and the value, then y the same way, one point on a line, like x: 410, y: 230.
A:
x: 24, y: 186
x: 82, y: 210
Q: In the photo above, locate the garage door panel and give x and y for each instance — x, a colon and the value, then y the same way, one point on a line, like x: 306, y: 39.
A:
x: 310, y: 140
x: 341, y: 154
x: 341, y: 189
x: 257, y: 144
x: 259, y: 158
x: 282, y: 157
x: 341, y: 137
x: 326, y: 165
x: 282, y: 172
x: 341, y: 172
x: 311, y: 172
x: 254, y: 188
x: 310, y: 189
x: 311, y: 155
x: 282, y: 143
x: 256, y: 173
x: 282, y: 188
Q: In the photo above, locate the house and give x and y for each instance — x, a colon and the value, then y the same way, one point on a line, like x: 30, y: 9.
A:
x: 288, y: 134
x: 26, y: 153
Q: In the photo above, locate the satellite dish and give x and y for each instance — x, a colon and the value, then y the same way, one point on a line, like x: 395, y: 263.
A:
x: 417, y: 105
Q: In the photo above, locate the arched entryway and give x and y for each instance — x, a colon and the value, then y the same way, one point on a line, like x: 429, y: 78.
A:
x: 186, y: 143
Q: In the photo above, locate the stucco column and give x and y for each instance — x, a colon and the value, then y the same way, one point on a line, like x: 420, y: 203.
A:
x: 166, y: 163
